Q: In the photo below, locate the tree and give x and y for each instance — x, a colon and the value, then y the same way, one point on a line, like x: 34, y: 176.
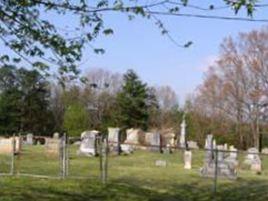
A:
x: 24, y: 101
x: 132, y: 102
x: 235, y: 87
x: 36, y: 115
x: 169, y: 108
x: 76, y: 119
x: 154, y: 111
x: 99, y: 95
x: 42, y: 43
x: 57, y: 106
x: 9, y: 101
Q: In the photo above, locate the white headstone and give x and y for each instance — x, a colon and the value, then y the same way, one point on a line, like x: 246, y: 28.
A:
x: 192, y: 145
x: 253, y: 159
x: 113, y: 135
x: 264, y: 151
x: 153, y: 139
x: 134, y: 136
x: 29, y: 139
x: 214, y: 144
x: 208, y: 143
x: 56, y: 135
x: 187, y: 160
x: 233, y: 152
x: 88, y: 143
x: 252, y: 152
x: 127, y: 149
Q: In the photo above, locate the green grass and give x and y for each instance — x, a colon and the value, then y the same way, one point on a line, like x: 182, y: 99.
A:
x: 130, y: 178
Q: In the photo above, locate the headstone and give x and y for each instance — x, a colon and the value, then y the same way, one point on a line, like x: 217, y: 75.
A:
x: 232, y: 158
x: 29, y: 139
x: 209, y: 147
x: 214, y: 144
x: 208, y: 142
x: 89, y: 143
x: 168, y: 149
x: 168, y: 138
x: 183, y: 133
x: 224, y: 169
x: 192, y: 145
x: 264, y: 151
x: 113, y: 139
x: 52, y: 145
x: 135, y: 136
x: 161, y: 163
x: 56, y: 135
x: 233, y: 152
x: 252, y: 153
x: 187, y: 160
x: 252, y: 160
x: 152, y: 139
x: 220, y: 152
x: 225, y: 148
x: 135, y: 139
x: 6, y: 145
x: 127, y: 149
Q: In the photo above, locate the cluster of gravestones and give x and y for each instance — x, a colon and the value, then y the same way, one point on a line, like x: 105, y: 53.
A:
x: 224, y: 162
x: 219, y: 159
x: 135, y: 138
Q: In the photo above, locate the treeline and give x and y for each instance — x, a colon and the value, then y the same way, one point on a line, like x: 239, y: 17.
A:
x: 231, y: 103
x: 31, y: 103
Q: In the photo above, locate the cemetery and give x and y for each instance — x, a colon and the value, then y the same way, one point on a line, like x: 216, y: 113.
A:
x: 142, y: 165
x: 122, y: 100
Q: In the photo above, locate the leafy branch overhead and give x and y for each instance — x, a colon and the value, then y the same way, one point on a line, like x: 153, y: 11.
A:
x: 33, y: 36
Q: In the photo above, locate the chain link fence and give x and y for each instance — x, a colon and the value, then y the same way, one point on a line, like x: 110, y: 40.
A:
x: 147, y: 165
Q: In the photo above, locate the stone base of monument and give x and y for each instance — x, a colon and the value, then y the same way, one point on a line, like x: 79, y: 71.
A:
x: 87, y: 152
x: 224, y: 170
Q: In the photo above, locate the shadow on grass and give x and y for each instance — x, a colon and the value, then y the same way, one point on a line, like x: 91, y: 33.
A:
x: 128, y: 189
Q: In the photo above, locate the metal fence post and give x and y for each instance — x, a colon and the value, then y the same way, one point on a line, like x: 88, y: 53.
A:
x: 62, y: 156
x: 105, y: 160
x: 215, y: 174
x: 103, y: 152
x: 100, y: 155
x: 13, y: 149
x: 67, y: 154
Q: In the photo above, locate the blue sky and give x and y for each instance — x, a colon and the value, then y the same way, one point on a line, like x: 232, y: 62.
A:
x: 139, y: 45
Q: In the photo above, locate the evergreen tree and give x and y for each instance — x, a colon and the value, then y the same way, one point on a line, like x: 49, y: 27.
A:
x: 24, y: 102
x: 132, y: 102
x: 76, y: 119
x: 9, y: 100
x: 36, y: 116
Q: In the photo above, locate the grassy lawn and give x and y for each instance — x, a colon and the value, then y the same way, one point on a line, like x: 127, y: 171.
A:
x: 133, y: 177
